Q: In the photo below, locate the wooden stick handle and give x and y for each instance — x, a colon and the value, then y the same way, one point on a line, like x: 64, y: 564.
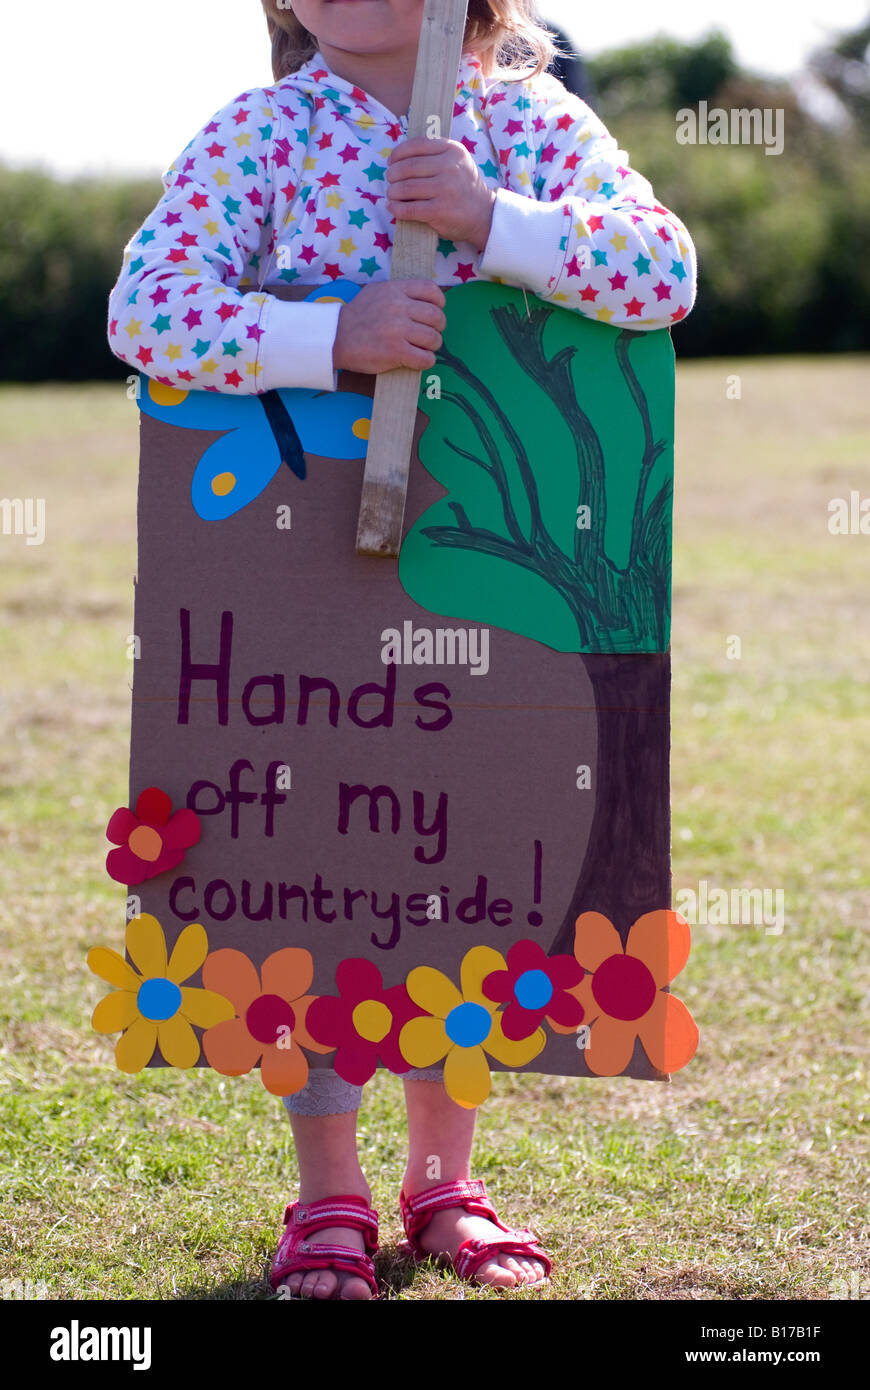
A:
x: 394, y: 413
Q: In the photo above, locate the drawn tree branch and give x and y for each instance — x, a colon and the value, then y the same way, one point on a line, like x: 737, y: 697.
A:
x: 618, y: 611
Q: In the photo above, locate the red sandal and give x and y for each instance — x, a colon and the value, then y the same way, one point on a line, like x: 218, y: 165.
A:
x: 296, y: 1254
x: 418, y: 1211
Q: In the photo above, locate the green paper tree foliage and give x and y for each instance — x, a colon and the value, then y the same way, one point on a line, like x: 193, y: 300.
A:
x: 553, y: 436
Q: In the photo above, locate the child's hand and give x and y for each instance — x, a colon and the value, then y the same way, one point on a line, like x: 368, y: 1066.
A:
x: 393, y: 323
x: 438, y: 182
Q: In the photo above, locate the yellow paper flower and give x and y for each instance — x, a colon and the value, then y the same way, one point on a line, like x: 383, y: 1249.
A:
x: 151, y: 1004
x: 462, y: 1027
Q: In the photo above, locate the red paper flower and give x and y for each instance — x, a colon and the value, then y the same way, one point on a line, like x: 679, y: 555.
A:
x: 534, y: 987
x: 151, y: 841
x: 363, y: 1022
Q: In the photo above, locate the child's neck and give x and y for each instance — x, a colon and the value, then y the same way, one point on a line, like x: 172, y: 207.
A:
x: 388, y: 77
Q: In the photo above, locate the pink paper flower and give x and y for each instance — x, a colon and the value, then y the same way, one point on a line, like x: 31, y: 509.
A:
x: 151, y: 841
x: 535, y: 986
x: 363, y: 1022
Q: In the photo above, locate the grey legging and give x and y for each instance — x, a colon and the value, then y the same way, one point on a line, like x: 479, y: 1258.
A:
x: 326, y: 1094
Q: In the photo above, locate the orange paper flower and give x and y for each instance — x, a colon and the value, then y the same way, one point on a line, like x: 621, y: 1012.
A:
x: 624, y: 996
x: 271, y: 1005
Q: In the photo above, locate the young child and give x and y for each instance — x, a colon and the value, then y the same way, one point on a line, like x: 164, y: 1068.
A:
x: 302, y: 183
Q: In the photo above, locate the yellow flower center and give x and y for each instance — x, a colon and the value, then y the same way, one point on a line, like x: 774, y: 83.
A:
x: 145, y: 843
x: 372, y: 1020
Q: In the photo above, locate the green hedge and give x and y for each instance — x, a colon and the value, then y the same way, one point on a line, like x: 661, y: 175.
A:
x: 782, y: 240
x: 60, y: 252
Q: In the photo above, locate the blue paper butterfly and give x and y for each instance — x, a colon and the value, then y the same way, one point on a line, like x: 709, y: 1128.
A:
x: 260, y: 432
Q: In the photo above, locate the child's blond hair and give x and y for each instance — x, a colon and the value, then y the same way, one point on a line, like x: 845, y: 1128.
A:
x: 504, y: 34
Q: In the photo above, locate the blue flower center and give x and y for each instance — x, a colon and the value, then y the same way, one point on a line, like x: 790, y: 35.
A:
x: 468, y: 1024
x: 533, y: 989
x: 158, y: 999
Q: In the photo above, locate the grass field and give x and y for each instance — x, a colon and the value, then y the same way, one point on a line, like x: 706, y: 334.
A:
x: 746, y: 1177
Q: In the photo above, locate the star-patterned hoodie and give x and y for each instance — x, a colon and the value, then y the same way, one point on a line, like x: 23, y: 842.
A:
x: 287, y: 184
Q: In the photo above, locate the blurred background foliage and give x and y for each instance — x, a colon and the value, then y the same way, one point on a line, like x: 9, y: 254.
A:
x: 783, y: 240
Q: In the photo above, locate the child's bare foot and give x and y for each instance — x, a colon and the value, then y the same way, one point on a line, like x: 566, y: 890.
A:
x: 440, y: 1137
x: 449, y: 1228
x: 329, y: 1169
x: 331, y: 1283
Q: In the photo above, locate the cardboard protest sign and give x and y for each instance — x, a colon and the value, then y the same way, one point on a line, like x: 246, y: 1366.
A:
x: 385, y: 814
